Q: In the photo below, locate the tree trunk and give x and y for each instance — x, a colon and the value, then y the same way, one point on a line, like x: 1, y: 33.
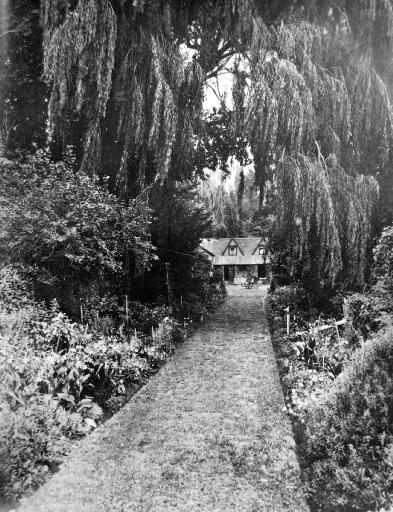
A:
x: 4, y: 27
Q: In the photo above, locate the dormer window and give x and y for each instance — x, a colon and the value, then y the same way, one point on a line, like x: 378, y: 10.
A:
x: 232, y: 250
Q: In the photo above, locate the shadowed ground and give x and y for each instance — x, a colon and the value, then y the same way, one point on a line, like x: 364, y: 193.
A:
x: 207, y: 433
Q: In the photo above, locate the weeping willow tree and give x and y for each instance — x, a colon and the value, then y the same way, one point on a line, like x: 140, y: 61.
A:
x: 313, y: 79
x: 79, y: 46
x: 22, y: 90
x: 4, y: 22
x: 317, y: 84
x: 221, y: 200
x: 127, y: 78
x: 305, y: 88
x: 324, y: 216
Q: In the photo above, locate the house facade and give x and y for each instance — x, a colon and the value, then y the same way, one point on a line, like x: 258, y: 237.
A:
x: 238, y: 256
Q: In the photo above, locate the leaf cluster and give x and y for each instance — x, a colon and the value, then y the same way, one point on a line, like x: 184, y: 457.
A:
x: 57, y: 377
x: 66, y: 226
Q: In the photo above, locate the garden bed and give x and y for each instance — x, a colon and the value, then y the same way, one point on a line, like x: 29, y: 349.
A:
x: 339, y: 394
x: 61, y: 379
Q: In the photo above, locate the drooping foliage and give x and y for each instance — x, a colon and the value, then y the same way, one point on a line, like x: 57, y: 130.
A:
x: 233, y: 205
x: 318, y: 84
x: 23, y: 93
x: 306, y: 86
x: 221, y: 201
x: 79, y: 49
x: 308, y: 213
x: 324, y: 220
x: 142, y: 65
x: 311, y: 79
x: 159, y: 90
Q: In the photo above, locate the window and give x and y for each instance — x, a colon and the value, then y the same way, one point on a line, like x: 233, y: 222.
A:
x: 232, y: 251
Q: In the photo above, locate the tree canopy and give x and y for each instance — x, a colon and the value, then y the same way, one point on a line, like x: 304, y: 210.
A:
x: 66, y: 230
x: 312, y: 82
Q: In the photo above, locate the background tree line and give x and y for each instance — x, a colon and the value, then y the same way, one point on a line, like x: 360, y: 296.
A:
x: 310, y: 106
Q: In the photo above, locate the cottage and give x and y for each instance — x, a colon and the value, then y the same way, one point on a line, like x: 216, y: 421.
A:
x: 238, y: 256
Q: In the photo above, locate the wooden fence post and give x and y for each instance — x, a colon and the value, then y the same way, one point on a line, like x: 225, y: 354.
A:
x: 126, y: 309
x: 288, y: 319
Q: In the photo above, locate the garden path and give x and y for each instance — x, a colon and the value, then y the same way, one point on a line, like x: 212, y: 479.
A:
x: 207, y: 433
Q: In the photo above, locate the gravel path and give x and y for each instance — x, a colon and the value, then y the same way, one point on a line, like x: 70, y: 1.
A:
x: 207, y: 433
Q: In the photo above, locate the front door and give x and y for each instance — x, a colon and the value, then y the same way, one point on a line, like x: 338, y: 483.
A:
x: 229, y: 273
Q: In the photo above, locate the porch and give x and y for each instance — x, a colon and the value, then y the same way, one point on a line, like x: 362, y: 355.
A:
x: 236, y: 274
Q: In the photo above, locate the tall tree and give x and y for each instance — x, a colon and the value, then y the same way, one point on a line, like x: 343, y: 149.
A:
x: 120, y: 73
x: 318, y: 87
x: 23, y: 93
x: 312, y: 80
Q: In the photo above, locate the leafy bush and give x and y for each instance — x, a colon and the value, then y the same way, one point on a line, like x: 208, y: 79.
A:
x: 382, y: 268
x: 14, y: 290
x: 371, y: 311
x: 33, y: 440
x: 339, y: 393
x: 218, y: 275
x: 293, y: 296
x: 67, y: 227
x: 305, y: 387
x: 162, y: 343
x: 56, y: 379
x: 367, y: 312
x: 75, y: 363
x: 206, y: 291
x: 143, y: 317
x: 34, y: 428
x: 349, y: 434
x: 206, y: 287
x: 97, y: 368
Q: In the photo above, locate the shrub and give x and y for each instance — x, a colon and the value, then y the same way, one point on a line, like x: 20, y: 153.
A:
x: 343, y: 424
x: 107, y: 313
x: 218, y: 275
x: 349, y: 433
x: 56, y: 376
x: 205, y: 290
x: 367, y: 312
x: 15, y: 293
x: 34, y: 428
x: 33, y: 440
x: 293, y: 296
x: 162, y: 342
x: 143, y: 317
x: 68, y: 228
x: 382, y: 268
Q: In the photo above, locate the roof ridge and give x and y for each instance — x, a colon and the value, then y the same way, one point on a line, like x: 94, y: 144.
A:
x: 234, y: 238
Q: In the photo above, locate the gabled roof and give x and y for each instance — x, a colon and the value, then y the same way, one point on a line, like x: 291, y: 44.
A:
x: 229, y: 243
x: 214, y: 246
x: 261, y: 242
x: 246, y: 255
x: 217, y: 246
